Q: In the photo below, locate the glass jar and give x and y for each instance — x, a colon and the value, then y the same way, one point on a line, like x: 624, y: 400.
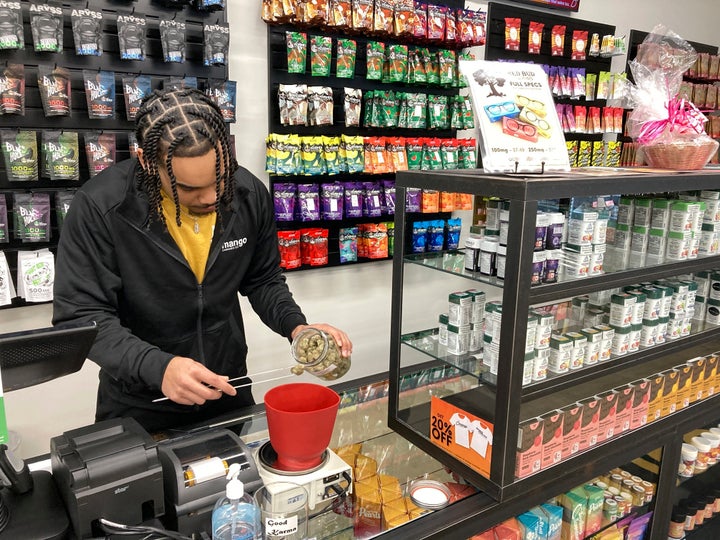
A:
x: 316, y: 352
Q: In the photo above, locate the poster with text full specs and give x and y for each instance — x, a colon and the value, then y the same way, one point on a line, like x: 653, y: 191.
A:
x: 519, y: 127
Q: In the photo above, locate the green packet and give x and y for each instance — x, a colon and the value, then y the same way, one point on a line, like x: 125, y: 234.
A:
x: 346, y: 55
x: 320, y: 56
x: 21, y: 155
x: 375, y: 58
x: 296, y: 51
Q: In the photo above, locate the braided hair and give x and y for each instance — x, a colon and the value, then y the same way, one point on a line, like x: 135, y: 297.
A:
x: 182, y: 123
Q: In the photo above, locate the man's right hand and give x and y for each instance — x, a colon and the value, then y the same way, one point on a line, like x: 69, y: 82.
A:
x: 188, y: 382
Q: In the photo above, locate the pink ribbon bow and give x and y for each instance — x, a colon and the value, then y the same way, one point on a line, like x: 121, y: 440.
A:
x: 683, y: 117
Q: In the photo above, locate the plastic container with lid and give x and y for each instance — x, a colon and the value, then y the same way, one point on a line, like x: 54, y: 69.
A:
x: 703, y: 456
x: 714, y: 446
x: 688, y: 455
x: 429, y: 494
x: 316, y: 352
x: 677, y: 524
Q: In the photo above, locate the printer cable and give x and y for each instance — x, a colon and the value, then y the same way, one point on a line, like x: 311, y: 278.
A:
x: 153, y: 533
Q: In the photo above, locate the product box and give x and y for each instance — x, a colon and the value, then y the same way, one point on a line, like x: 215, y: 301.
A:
x: 590, y: 422
x: 532, y: 526
x: 572, y: 419
x: 623, y: 415
x: 641, y: 398
x: 670, y: 392
x: 508, y: 530
x: 552, y: 438
x: 574, y: 505
x: 554, y: 514
x: 367, y: 509
x: 697, y: 381
x: 608, y: 412
x: 711, y: 366
x: 529, y: 454
x: 595, y: 498
x: 655, y: 403
x: 684, y: 385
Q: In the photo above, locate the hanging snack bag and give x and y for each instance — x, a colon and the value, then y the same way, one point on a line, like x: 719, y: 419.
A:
x: 46, y: 23
x: 296, y: 45
x: 135, y: 89
x: 131, y: 36
x: 512, y: 34
x: 383, y: 17
x: 293, y: 104
x: 354, y: 151
x: 352, y: 105
x: 55, y: 92
x: 100, y: 151
x: 340, y: 15
x: 4, y: 229
x: 331, y: 201
x: 60, y: 155
x: 397, y: 153
x: 313, y: 12
x: 172, y: 37
x: 375, y: 58
x: 12, y: 34
x: 12, y: 89
x: 311, y: 155
x: 346, y: 54
x: 438, y: 117
x: 421, y: 21
x: 372, y: 203
x: 320, y: 56
x: 284, y: 197
x: 216, y: 41
x: 331, y: 154
x: 320, y: 105
x: 32, y: 217
x: 87, y: 31
x: 535, y: 37
x: 308, y: 206
x: 557, y: 40
x: 353, y: 203
x: 132, y: 144
x: 289, y: 245
x: 432, y: 66
x: 362, y: 18
x: 100, y: 93
x: 579, y: 44
x: 178, y: 83
x: 223, y: 94
x: 447, y: 62
x: 397, y: 63
x: 436, y: 20
x: 348, y: 238
x: 21, y: 155
x: 414, y: 149
x: 63, y: 199
x: 404, y: 18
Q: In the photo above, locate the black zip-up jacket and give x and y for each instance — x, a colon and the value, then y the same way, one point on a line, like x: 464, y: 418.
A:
x: 122, y: 271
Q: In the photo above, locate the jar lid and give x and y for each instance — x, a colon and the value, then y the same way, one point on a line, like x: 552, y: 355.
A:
x: 701, y: 443
x: 689, y: 451
x: 714, y: 438
x: 429, y: 494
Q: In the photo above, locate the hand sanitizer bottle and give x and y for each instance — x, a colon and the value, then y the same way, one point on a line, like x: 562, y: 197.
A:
x: 235, y: 516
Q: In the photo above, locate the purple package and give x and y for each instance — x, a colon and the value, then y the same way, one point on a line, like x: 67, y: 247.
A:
x: 284, y: 196
x: 353, y: 199
x: 308, y: 206
x: 331, y: 200
x: 638, y: 526
x: 413, y: 200
x: 372, y: 206
x: 388, y: 197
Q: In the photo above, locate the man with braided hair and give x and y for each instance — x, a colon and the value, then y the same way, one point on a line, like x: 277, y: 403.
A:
x: 156, y: 250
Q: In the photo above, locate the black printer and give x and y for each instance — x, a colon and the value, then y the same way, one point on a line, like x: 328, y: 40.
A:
x: 110, y: 470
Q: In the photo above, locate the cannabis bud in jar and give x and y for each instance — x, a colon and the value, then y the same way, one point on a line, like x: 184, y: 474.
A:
x: 316, y: 352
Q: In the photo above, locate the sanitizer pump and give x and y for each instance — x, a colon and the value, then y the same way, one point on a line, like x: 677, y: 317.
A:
x: 235, y: 516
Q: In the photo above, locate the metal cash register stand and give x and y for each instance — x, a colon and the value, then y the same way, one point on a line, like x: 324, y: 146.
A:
x: 30, y: 505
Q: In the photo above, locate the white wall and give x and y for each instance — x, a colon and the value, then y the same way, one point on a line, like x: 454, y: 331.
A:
x: 356, y: 299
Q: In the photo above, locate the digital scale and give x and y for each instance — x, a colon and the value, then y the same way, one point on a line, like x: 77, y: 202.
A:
x: 330, y: 479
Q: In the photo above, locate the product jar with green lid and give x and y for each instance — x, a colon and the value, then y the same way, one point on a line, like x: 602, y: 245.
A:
x: 316, y: 352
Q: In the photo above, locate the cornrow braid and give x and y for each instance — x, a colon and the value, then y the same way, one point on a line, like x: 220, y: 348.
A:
x: 182, y: 123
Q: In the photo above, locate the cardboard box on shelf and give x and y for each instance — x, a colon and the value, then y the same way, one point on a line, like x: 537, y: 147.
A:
x: 572, y: 420
x: 552, y: 438
x: 608, y: 412
x: 711, y: 370
x: 595, y: 498
x: 655, y: 403
x: 529, y: 452
x: 590, y: 422
x: 641, y: 399
x: 574, y: 505
x: 684, y: 388
x: 670, y: 392
x: 697, y: 380
x: 623, y: 415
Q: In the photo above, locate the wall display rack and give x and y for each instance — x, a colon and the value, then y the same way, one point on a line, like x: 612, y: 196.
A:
x: 278, y: 75
x: 506, y: 403
x: 153, y: 66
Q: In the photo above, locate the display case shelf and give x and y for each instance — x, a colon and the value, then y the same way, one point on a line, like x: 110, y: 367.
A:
x: 426, y: 341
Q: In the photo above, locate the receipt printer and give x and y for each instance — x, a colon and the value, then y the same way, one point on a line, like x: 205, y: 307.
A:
x: 108, y: 470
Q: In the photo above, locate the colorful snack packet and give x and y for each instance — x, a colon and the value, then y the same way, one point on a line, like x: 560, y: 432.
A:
x: 60, y: 155
x: 352, y: 106
x: 132, y: 38
x: 46, y: 24
x: 320, y: 56
x: 397, y: 61
x: 375, y: 57
x: 13, y: 35
x: 172, y: 37
x: 340, y: 15
x: 135, y: 89
x: 55, y: 92
x: 21, y: 155
x: 362, y: 18
x: 296, y: 43
x: 12, y: 89
x: 579, y: 44
x: 345, y: 58
x: 436, y: 22
x: 512, y: 34
x: 87, y: 31
x: 100, y: 151
x: 216, y: 42
x: 557, y: 41
x: 100, y: 93
x: 535, y: 37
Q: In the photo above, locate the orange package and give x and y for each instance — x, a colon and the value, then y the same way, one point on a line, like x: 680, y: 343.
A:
x: 430, y: 201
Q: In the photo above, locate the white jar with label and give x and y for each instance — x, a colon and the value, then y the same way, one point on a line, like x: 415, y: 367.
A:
x: 500, y: 261
x: 488, y: 254
x: 621, y: 340
x: 472, y: 252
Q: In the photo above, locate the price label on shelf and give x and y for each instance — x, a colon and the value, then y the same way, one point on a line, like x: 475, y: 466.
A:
x: 461, y: 434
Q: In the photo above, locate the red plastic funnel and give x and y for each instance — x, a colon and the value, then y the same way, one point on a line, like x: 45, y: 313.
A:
x: 300, y: 417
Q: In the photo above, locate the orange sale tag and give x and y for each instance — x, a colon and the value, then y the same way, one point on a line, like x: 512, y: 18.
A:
x: 461, y: 434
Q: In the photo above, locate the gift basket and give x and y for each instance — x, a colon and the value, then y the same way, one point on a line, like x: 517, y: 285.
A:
x: 668, y: 127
